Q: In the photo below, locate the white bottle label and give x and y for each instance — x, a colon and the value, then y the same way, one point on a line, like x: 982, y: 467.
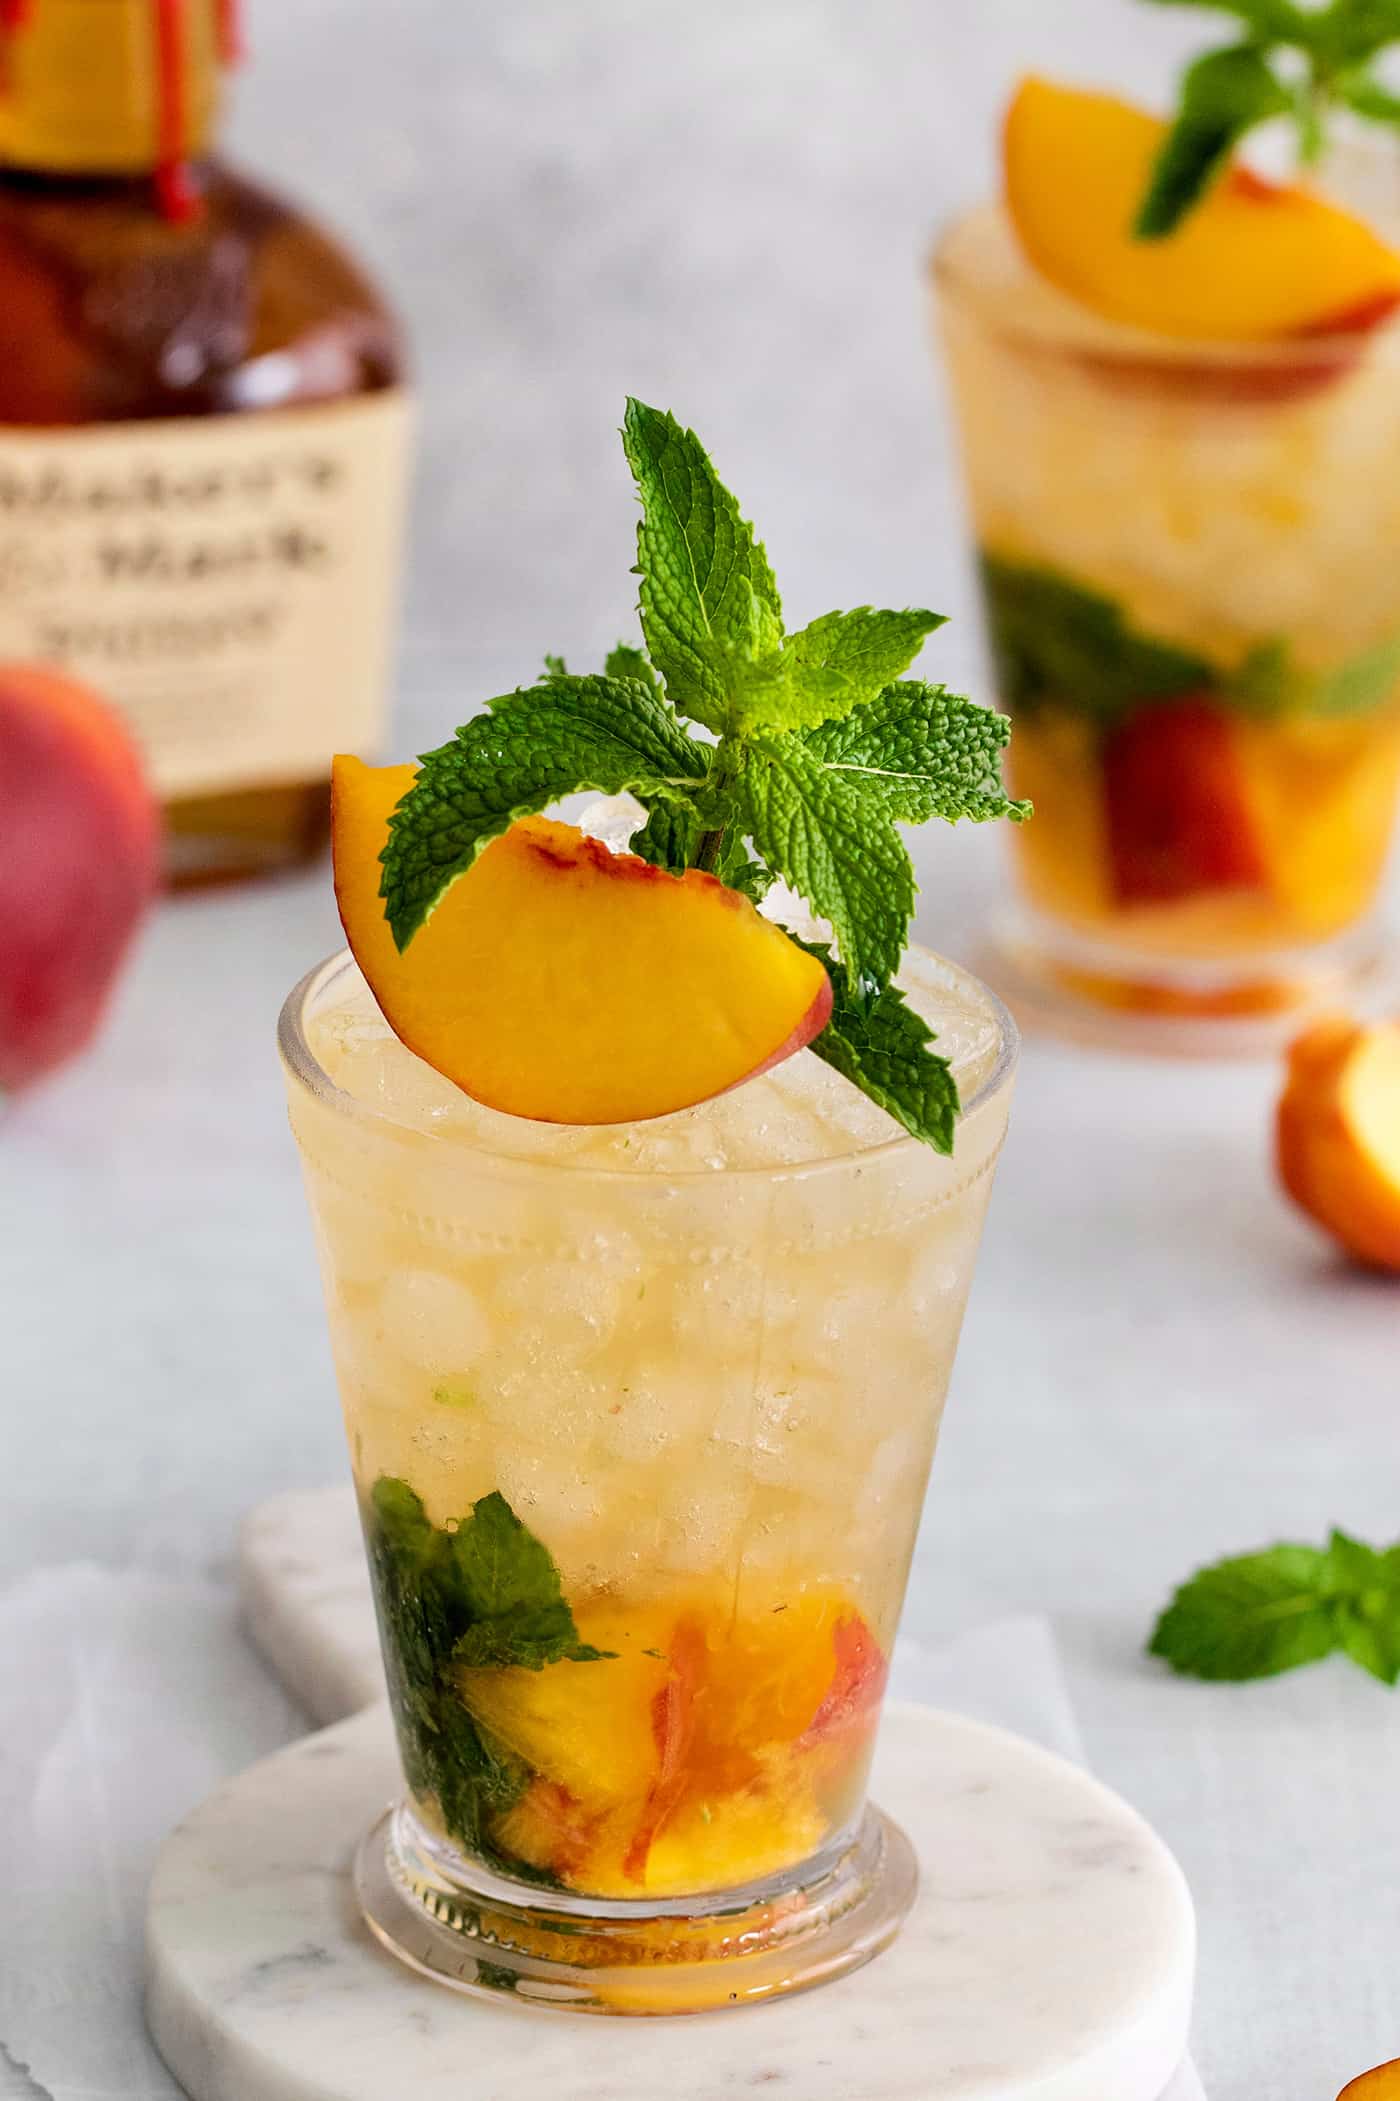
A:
x: 228, y: 581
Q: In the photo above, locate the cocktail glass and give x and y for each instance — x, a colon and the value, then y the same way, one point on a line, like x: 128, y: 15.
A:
x: 640, y: 1418
x: 1188, y: 555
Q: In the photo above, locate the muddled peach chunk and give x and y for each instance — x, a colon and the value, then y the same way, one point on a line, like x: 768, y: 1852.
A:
x: 1338, y: 1135
x: 706, y: 1751
x: 559, y: 981
x: 1253, y: 260
x: 1178, y: 817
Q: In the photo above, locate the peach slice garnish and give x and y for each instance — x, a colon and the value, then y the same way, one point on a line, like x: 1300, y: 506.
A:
x: 1253, y: 261
x: 1381, y: 2085
x: 1338, y: 1137
x: 559, y: 981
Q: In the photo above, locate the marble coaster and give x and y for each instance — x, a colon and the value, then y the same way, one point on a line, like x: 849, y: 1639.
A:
x: 1049, y: 1956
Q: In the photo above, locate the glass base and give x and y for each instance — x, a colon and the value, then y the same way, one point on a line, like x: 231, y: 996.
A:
x: 658, y: 1956
x: 1122, y: 999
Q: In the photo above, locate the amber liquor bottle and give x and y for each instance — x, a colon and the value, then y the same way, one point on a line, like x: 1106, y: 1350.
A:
x: 202, y: 431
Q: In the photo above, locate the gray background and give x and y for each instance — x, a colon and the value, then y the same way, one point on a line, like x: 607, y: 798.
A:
x: 724, y: 207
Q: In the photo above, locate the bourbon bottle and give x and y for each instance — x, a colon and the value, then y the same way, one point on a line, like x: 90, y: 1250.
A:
x: 203, y: 431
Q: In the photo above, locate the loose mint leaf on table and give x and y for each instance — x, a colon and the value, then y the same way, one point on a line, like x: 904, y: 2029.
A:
x: 710, y: 607
x: 530, y: 748
x: 830, y: 835
x: 1256, y: 1615
x: 884, y: 1048
x: 926, y: 752
x: 1223, y: 95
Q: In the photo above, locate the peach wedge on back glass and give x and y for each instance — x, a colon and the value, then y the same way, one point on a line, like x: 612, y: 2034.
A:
x: 646, y: 1229
x: 1179, y: 462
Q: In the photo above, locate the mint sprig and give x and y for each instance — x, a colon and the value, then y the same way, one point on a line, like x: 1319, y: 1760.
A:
x: 817, y: 749
x: 485, y: 1593
x: 710, y: 609
x: 1256, y: 1615
x: 1304, y: 63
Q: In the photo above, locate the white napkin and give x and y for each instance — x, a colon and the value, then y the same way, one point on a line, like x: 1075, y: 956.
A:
x: 125, y: 1699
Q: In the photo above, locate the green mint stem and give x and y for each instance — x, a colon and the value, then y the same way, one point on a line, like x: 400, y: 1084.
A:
x: 707, y: 853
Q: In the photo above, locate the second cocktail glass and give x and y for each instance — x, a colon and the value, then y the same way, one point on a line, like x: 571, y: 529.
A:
x: 1187, y: 555
x: 640, y: 1419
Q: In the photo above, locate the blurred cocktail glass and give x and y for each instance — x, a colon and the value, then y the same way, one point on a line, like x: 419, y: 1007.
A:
x: 1187, y: 555
x: 640, y: 1418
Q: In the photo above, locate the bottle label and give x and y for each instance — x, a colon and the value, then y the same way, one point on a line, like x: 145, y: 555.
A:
x: 229, y: 582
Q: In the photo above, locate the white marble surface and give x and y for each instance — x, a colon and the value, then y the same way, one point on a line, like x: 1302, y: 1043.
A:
x: 1048, y: 1955
x: 724, y: 207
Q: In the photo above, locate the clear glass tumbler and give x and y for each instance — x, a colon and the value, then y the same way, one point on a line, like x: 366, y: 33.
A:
x: 640, y: 1420
x: 1188, y: 561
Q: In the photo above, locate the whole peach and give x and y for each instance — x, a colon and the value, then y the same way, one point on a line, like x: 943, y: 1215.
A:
x: 79, y: 864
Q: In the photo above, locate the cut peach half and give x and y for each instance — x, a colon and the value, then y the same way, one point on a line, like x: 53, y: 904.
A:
x: 559, y: 981
x: 1253, y: 261
x: 1339, y: 1135
x: 1381, y: 2085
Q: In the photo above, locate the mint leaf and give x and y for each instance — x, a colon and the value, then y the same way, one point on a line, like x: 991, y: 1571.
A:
x: 1370, y: 98
x: 1367, y: 1587
x: 1350, y: 31
x: 926, y: 752
x: 835, y: 664
x: 627, y: 661
x: 830, y: 835
x: 1223, y: 95
x: 1272, y: 21
x: 1363, y: 682
x: 1270, y: 682
x: 1372, y: 1639
x: 709, y: 605
x: 883, y: 1047
x: 532, y: 747
x: 1250, y: 1617
x: 1258, y: 1614
x: 511, y: 1591
x: 1226, y: 93
x: 1055, y: 644
x: 738, y: 872
x: 1351, y: 1566
x: 485, y: 1595
x: 670, y: 838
